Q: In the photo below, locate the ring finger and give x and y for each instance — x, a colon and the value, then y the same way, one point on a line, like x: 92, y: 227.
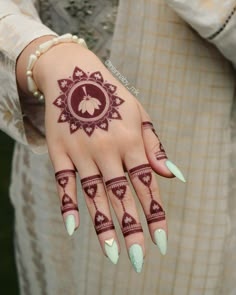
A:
x: 146, y: 188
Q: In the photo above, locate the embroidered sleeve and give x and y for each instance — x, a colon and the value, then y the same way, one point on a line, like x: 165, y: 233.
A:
x: 19, y: 25
x: 214, y: 20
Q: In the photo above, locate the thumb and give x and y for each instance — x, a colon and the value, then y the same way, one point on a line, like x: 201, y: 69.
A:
x: 155, y: 151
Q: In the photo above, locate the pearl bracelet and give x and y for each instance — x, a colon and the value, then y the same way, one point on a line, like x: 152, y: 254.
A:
x: 42, y: 48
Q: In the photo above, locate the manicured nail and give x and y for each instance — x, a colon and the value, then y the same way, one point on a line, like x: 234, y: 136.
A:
x: 161, y: 240
x: 111, y: 249
x: 70, y: 224
x: 136, y: 257
x: 175, y: 170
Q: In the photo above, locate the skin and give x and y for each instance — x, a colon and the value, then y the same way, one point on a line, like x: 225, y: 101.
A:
x: 65, y: 179
x: 142, y: 179
x: 160, y: 154
x: 87, y: 102
x: 124, y: 144
x: 94, y: 191
x: 118, y: 190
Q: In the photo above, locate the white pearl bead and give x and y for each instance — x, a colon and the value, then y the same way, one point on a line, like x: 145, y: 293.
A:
x: 82, y: 42
x: 45, y: 46
x: 55, y: 40
x: 37, y: 53
x: 31, y: 62
x: 36, y: 93
x: 65, y: 38
x: 74, y: 38
x: 41, y: 98
x: 29, y: 73
x: 31, y: 84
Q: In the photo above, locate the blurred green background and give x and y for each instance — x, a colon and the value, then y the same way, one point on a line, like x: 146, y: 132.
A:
x: 9, y: 283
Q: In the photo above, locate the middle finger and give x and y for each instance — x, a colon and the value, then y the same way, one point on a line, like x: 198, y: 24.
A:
x: 125, y: 208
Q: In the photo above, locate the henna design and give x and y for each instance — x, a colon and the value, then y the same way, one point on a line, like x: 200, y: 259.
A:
x: 118, y: 186
x: 87, y: 102
x: 144, y: 174
x: 90, y: 187
x: 62, y: 178
x: 160, y: 154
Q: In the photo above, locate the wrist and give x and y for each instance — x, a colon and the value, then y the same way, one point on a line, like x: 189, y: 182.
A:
x: 53, y: 61
x: 22, y: 61
x: 37, y: 88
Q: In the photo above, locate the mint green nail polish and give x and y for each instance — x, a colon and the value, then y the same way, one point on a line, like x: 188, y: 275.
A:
x: 175, y: 170
x: 161, y: 240
x: 136, y: 257
x: 70, y: 224
x: 111, y: 249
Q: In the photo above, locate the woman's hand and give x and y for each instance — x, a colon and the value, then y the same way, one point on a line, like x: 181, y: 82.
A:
x: 96, y: 127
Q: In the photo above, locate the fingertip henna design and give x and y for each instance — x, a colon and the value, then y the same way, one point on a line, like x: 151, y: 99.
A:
x: 144, y: 174
x: 160, y: 154
x: 87, y: 102
x: 62, y: 178
x: 67, y: 204
x: 118, y: 186
x: 90, y: 187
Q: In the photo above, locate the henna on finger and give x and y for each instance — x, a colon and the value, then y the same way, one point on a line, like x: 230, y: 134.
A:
x: 87, y: 101
x: 69, y: 209
x: 62, y: 178
x: 118, y: 186
x: 160, y: 154
x: 90, y: 187
x: 144, y: 174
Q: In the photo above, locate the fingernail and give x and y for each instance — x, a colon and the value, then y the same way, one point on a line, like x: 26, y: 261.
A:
x: 136, y: 257
x: 161, y: 240
x: 70, y: 224
x: 111, y: 249
x: 175, y: 170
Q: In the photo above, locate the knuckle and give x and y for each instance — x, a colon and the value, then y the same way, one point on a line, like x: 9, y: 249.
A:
x: 104, y: 144
x: 129, y: 202
x: 56, y: 153
x: 145, y: 194
x: 131, y: 139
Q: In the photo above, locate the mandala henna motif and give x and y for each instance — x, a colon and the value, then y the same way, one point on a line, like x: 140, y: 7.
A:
x: 62, y: 178
x: 87, y: 102
x: 144, y: 174
x: 118, y: 187
x: 160, y: 154
x: 90, y: 187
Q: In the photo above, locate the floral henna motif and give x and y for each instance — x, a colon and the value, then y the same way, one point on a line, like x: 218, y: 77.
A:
x: 62, y: 178
x: 90, y: 187
x: 160, y: 154
x: 87, y: 101
x: 118, y: 186
x: 144, y: 174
